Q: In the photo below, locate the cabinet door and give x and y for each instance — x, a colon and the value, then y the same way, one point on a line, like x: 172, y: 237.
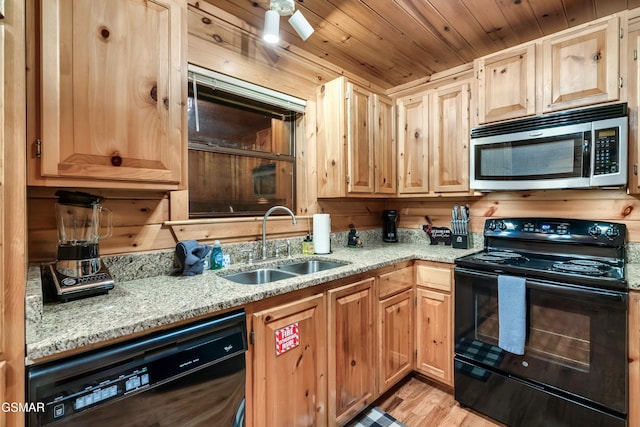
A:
x: 112, y: 95
x: 351, y: 359
x: 395, y: 338
x: 331, y: 138
x: 634, y: 106
x: 360, y: 139
x: 290, y: 387
x: 449, y: 139
x: 434, y: 339
x: 385, y: 145
x: 413, y: 170
x: 634, y: 358
x: 506, y: 84
x: 582, y: 67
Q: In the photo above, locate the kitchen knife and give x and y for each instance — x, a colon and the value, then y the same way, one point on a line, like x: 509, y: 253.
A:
x: 454, y: 219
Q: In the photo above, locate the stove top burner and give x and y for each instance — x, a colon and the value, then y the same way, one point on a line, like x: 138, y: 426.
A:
x: 499, y: 256
x: 583, y: 266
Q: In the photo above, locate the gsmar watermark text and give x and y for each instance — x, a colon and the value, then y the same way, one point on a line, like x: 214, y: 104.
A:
x: 22, y: 407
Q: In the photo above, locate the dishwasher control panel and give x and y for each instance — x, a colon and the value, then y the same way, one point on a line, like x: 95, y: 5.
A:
x: 101, y: 391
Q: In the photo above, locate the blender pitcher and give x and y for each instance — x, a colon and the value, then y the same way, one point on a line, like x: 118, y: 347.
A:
x: 78, y: 217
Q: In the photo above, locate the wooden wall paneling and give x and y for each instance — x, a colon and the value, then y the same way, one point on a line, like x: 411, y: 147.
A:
x: 362, y: 213
x: 599, y: 205
x: 238, y: 229
x: 137, y: 223
x: 221, y: 42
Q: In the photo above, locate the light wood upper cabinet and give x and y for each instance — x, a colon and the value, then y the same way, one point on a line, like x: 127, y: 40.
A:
x: 413, y: 148
x: 386, y: 149
x: 359, y: 139
x: 433, y: 140
x: 633, y: 90
x: 355, y: 144
x: 351, y: 351
x: 449, y: 138
x: 582, y: 67
x: 112, y: 92
x: 289, y: 389
x: 506, y: 84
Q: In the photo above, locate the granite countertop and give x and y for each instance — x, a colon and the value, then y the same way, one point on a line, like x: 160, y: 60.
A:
x: 159, y: 299
x: 137, y: 305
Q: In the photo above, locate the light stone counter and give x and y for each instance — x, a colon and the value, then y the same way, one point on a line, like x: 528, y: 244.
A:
x: 157, y: 299
x: 141, y: 304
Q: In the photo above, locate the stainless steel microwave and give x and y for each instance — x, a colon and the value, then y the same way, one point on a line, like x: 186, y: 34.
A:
x: 576, y: 149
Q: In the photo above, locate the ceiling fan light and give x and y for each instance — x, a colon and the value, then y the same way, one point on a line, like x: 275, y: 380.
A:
x: 271, y: 27
x: 301, y: 25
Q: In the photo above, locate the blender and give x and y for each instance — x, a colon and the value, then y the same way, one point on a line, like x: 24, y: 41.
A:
x: 78, y: 271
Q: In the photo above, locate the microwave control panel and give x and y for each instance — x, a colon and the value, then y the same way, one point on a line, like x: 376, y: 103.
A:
x: 605, y: 151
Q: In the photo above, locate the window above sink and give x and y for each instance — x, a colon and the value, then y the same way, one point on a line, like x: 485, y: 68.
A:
x: 241, y: 146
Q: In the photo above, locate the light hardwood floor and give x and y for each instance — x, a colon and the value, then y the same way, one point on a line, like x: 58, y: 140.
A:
x: 422, y: 403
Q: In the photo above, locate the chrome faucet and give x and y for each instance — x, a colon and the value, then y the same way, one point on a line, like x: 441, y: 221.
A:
x: 264, y: 225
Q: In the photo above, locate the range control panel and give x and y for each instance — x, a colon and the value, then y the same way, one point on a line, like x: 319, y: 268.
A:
x: 561, y: 230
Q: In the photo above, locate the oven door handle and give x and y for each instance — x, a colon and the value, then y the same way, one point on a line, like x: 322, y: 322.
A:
x: 551, y: 286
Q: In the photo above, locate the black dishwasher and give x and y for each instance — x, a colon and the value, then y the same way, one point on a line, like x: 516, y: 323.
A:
x: 186, y: 376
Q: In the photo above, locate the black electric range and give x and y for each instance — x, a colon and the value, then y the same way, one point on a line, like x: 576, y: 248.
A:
x: 581, y: 252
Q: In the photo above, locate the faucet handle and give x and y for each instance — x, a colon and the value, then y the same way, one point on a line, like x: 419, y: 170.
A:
x: 277, y: 254
x: 249, y: 253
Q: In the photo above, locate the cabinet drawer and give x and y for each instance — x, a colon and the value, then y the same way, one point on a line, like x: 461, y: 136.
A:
x: 395, y: 282
x: 434, y: 276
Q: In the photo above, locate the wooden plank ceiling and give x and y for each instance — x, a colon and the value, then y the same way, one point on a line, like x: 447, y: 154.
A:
x: 395, y: 42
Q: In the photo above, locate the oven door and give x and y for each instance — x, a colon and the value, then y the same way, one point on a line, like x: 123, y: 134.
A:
x: 576, y: 337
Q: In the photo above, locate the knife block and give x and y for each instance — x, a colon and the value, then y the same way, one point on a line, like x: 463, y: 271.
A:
x: 460, y: 237
x: 461, y: 241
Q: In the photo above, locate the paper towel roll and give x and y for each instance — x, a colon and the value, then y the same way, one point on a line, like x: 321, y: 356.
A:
x: 321, y: 233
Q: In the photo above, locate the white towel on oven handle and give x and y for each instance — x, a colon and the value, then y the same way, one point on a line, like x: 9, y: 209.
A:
x: 512, y: 313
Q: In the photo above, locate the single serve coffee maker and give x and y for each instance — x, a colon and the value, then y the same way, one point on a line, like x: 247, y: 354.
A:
x: 389, y: 226
x: 78, y: 271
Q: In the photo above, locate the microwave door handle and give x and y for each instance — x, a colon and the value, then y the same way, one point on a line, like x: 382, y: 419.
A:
x: 586, y: 155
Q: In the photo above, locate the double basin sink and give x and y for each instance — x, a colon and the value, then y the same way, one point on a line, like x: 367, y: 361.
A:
x: 260, y: 276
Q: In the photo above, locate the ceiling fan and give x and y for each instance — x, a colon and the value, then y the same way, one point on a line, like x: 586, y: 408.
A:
x: 278, y: 8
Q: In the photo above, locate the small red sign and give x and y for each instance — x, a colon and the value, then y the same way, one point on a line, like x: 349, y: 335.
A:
x: 287, y: 338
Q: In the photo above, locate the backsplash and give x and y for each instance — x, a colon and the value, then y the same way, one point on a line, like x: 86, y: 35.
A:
x: 141, y: 265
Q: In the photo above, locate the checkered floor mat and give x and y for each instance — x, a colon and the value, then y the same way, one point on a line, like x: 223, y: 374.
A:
x: 482, y: 352
x: 376, y: 417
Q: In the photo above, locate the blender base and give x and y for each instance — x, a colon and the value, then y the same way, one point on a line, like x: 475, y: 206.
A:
x: 58, y: 287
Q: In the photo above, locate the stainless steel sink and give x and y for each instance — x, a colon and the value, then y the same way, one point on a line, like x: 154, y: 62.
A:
x: 259, y: 276
x: 310, y: 266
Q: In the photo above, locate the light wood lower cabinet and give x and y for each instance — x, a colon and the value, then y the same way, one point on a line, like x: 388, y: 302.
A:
x: 434, y: 321
x: 289, y: 389
x: 634, y: 359
x: 351, y: 356
x: 395, y: 338
x: 356, y: 341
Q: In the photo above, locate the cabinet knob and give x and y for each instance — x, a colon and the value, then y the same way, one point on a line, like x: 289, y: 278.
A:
x: 116, y: 160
